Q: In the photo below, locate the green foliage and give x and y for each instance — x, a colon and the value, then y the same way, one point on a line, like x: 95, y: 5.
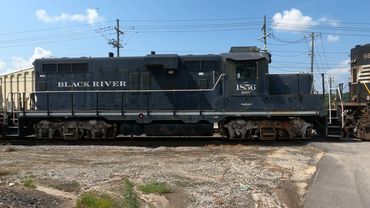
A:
x: 130, y: 199
x: 29, y: 183
x: 155, y: 187
x: 92, y: 200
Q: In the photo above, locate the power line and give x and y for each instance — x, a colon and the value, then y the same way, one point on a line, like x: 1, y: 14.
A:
x: 307, y: 63
x: 325, y: 27
x: 237, y: 24
x: 294, y: 51
x: 301, y: 40
x: 193, y: 20
x: 195, y: 31
x: 52, y: 41
x: 49, y: 29
x: 44, y: 37
x: 319, y: 55
x: 323, y: 50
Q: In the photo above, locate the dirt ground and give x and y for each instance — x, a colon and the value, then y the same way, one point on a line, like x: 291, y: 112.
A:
x: 248, y: 175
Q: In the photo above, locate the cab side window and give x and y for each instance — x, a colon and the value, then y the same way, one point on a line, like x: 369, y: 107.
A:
x: 246, y: 71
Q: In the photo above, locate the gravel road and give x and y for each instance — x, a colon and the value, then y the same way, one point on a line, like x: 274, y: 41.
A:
x: 230, y: 175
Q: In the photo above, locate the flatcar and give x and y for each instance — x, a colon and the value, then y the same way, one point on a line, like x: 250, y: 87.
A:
x: 168, y: 95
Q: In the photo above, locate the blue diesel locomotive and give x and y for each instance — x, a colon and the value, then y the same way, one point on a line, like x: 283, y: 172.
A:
x: 171, y: 95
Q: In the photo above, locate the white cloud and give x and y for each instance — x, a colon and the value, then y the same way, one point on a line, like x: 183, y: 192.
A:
x: 333, y: 38
x: 19, y: 62
x: 91, y: 16
x: 341, y: 72
x: 292, y: 20
x: 2, y: 64
x: 332, y: 22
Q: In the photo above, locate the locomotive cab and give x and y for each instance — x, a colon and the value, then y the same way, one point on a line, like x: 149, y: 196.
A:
x: 360, y: 74
x: 246, y: 68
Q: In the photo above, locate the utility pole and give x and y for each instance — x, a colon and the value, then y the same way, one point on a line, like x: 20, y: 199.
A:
x: 116, y: 43
x: 265, y: 34
x: 312, y: 50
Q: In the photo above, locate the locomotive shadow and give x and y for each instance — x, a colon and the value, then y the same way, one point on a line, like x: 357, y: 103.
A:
x: 155, y: 142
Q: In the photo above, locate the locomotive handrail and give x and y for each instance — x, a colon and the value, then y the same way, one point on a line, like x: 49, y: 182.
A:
x: 12, y: 104
x: 342, y: 107
x: 367, y: 88
x: 134, y: 91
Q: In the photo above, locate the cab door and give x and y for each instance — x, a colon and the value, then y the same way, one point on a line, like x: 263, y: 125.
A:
x: 243, y: 77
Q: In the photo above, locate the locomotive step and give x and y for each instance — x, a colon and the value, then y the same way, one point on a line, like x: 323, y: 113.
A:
x: 11, y: 131
x: 334, y: 135
x: 334, y: 127
x: 12, y: 135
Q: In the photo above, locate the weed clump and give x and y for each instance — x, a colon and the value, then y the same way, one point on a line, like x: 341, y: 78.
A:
x: 130, y: 199
x: 29, y: 183
x: 93, y: 200
x: 156, y: 188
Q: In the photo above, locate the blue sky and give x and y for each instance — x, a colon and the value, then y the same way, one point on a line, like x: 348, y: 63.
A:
x: 81, y: 28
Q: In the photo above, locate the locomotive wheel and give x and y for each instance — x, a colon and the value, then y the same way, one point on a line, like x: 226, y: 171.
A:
x: 87, y: 134
x: 236, y: 129
x: 57, y: 134
x: 247, y: 134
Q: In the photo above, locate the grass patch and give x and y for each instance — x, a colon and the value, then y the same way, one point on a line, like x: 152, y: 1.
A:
x: 130, y: 199
x: 93, y: 200
x: 156, y: 188
x: 72, y: 186
x: 29, y: 183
